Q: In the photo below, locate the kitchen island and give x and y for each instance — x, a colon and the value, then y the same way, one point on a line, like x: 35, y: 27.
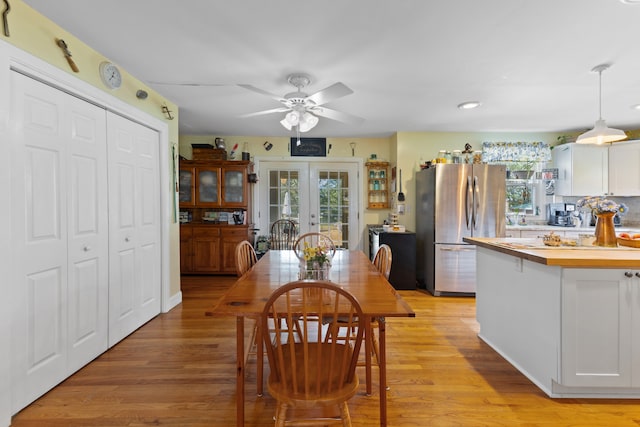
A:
x: 567, y: 318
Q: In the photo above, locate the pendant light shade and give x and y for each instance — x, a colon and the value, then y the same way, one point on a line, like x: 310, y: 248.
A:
x: 601, y: 134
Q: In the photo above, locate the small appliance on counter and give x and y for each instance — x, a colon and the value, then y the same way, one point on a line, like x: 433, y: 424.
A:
x: 561, y: 214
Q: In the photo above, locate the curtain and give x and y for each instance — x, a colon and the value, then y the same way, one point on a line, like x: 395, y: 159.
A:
x: 495, y: 152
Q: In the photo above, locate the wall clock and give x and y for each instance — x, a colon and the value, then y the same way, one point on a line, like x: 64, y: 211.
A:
x: 110, y: 75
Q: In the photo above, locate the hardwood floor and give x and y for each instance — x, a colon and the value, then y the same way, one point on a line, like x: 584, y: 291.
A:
x: 179, y: 370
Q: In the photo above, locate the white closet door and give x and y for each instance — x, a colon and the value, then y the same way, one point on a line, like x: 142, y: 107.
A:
x: 59, y: 235
x: 88, y: 233
x: 134, y: 226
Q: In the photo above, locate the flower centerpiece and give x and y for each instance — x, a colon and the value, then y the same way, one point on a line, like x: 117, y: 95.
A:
x: 599, y: 204
x: 316, y: 264
x: 604, y: 210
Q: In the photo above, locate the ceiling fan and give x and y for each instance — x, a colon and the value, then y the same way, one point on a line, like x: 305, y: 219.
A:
x: 302, y: 109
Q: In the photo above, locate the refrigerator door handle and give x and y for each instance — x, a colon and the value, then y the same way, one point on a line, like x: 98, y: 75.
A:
x: 475, y: 199
x: 464, y: 248
x: 467, y: 202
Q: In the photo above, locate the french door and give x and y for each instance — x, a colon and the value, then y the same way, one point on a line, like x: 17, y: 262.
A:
x: 319, y: 196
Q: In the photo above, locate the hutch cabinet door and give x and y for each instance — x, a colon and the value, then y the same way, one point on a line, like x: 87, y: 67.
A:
x: 187, y: 194
x: 234, y: 186
x: 206, y: 249
x: 208, y: 186
x: 230, y: 238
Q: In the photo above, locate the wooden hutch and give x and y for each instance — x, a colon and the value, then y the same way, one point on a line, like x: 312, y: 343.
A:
x: 214, y: 213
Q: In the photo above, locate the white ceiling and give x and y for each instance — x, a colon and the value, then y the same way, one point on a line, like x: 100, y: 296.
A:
x: 409, y: 62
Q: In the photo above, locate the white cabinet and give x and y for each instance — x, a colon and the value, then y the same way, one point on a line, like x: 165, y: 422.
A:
x: 624, y: 169
x: 600, y: 342
x: 574, y: 332
x: 585, y: 170
x: 582, y: 169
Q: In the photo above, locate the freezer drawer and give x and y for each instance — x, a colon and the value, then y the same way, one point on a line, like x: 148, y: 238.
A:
x: 455, y: 269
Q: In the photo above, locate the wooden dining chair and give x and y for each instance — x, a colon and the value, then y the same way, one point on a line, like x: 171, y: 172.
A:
x: 382, y: 261
x: 313, y: 240
x: 245, y: 257
x: 309, y: 372
x: 283, y: 234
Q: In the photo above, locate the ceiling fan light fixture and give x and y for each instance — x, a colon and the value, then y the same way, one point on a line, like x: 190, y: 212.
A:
x: 293, y: 118
x: 308, y: 122
x: 601, y: 134
x: 286, y: 124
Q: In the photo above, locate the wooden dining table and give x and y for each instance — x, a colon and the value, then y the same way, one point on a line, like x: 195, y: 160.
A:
x: 351, y: 269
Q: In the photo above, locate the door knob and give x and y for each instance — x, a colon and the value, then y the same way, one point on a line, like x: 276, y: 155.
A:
x: 86, y: 248
x: 628, y: 274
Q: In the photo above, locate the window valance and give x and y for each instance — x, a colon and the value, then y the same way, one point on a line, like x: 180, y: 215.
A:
x: 495, y: 152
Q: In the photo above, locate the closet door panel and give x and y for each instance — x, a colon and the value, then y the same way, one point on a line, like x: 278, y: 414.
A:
x: 88, y: 234
x: 134, y: 225
x: 39, y: 227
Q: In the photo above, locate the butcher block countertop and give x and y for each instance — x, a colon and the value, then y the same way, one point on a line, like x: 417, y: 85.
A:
x: 572, y: 257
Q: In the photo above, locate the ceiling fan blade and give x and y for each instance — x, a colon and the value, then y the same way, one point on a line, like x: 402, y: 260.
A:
x: 337, y: 115
x: 335, y: 91
x: 261, y: 113
x: 263, y: 92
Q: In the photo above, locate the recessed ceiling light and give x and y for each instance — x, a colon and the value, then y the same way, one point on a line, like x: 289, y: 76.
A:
x: 469, y: 105
x: 636, y: 107
x: 630, y: 1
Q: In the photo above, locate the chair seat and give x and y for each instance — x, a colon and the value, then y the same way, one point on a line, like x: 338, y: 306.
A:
x: 317, y: 393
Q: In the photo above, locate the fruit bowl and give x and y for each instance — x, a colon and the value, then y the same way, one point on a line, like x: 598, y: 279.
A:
x: 631, y: 243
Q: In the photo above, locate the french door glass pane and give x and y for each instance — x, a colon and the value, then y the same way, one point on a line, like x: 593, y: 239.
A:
x: 283, y: 195
x: 334, y: 206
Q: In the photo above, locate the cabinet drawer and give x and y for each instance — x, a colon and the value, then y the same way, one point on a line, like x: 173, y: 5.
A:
x: 199, y: 232
x: 234, y: 233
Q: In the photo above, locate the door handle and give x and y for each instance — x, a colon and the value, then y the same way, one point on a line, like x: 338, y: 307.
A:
x: 467, y: 200
x: 474, y: 201
x: 463, y: 249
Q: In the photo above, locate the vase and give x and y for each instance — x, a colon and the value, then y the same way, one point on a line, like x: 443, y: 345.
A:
x: 605, y: 231
x: 313, y: 270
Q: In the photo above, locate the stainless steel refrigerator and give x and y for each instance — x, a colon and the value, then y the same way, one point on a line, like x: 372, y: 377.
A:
x: 455, y: 201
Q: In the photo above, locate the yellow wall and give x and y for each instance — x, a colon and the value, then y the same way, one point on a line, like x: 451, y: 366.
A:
x: 35, y: 34
x: 340, y: 148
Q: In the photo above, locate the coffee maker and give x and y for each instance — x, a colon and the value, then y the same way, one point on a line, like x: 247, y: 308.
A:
x: 561, y: 214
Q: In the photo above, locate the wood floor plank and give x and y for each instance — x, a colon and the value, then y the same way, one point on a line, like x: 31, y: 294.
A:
x: 179, y: 370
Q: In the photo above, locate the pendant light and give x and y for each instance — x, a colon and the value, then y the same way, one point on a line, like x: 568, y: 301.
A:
x: 601, y: 133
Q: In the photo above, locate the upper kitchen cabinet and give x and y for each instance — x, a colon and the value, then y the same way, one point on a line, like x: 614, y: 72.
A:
x: 585, y: 170
x: 213, y: 184
x: 624, y: 168
x: 582, y: 169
